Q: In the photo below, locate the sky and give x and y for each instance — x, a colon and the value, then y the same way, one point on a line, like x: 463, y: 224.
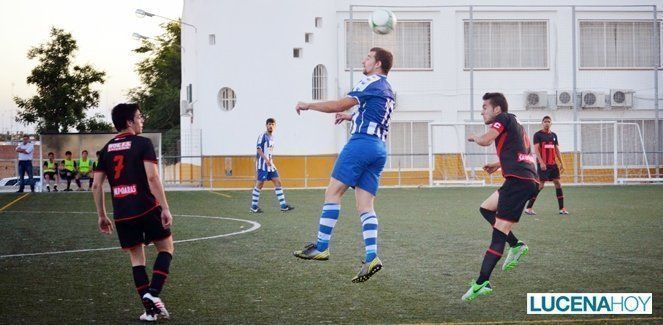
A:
x: 103, y: 31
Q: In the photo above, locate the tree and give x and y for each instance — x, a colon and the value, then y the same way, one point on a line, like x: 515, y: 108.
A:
x: 160, y: 75
x: 64, y: 92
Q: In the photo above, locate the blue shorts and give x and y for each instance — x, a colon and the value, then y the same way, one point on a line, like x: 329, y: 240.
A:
x: 360, y: 163
x: 263, y: 175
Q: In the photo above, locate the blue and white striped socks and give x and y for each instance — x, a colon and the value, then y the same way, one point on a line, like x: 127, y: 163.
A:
x: 330, y: 212
x: 280, y: 196
x: 255, y: 197
x: 369, y: 227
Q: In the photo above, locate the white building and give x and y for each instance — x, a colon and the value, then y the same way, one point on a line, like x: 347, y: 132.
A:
x: 270, y: 54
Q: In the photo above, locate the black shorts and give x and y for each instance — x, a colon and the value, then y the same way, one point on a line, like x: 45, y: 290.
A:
x: 550, y: 174
x: 50, y: 175
x: 63, y: 174
x: 514, y: 194
x: 85, y: 175
x: 142, y: 230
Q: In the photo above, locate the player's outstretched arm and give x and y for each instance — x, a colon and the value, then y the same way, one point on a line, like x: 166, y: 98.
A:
x: 104, y: 224
x: 486, y: 139
x: 331, y: 106
x: 157, y: 190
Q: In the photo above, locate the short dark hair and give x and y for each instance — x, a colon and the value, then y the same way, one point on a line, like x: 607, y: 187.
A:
x: 122, y: 113
x: 51, y: 153
x: 385, y: 57
x: 270, y: 120
x: 497, y: 99
x: 546, y: 118
x: 26, y: 136
x: 84, y: 151
x: 98, y: 153
x: 68, y: 152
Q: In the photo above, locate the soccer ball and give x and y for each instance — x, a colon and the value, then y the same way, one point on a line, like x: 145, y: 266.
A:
x: 382, y: 21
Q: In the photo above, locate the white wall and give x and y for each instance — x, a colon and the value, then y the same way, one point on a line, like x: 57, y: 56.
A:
x: 253, y: 56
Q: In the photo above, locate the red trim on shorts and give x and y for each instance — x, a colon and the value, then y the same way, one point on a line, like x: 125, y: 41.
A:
x: 152, y: 161
x: 523, y: 178
x: 160, y: 272
x: 488, y: 251
x: 142, y: 287
x: 99, y: 171
x: 139, y: 215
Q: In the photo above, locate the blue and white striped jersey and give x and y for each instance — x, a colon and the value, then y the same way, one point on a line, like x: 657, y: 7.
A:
x: 376, y: 103
x: 266, y: 144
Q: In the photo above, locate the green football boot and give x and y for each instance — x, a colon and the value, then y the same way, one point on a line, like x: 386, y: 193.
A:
x: 477, y: 290
x: 514, y: 255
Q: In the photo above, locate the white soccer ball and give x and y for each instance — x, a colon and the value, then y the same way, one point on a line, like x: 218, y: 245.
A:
x: 382, y: 21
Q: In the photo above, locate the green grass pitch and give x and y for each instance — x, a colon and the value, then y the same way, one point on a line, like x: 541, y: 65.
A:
x: 431, y: 242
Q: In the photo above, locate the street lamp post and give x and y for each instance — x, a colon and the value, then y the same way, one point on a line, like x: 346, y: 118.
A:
x: 142, y: 13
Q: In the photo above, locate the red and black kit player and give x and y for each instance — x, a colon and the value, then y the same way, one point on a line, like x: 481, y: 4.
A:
x: 505, y: 206
x: 140, y: 210
x: 547, y: 152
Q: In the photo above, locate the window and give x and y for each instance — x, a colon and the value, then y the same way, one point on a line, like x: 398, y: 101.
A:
x: 212, y: 39
x: 410, y: 43
x: 616, y: 44
x: 226, y: 99
x: 408, y: 145
x: 189, y: 93
x: 308, y: 37
x: 507, y: 44
x: 319, y: 82
x: 297, y: 52
x: 318, y: 22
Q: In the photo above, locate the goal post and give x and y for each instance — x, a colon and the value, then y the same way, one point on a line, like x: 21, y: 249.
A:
x: 607, y: 152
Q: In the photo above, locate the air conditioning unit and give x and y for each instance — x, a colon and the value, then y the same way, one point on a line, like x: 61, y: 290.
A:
x: 564, y: 98
x: 186, y: 108
x: 536, y: 99
x: 622, y: 98
x: 592, y: 99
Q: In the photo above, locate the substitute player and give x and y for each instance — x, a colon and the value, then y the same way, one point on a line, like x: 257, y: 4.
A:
x: 51, y: 172
x: 546, y: 146
x: 68, y: 170
x: 361, y: 161
x: 266, y: 170
x: 84, y: 170
x: 140, y: 208
x: 505, y: 206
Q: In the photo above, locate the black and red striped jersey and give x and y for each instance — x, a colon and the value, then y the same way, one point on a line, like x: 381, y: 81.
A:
x: 546, y: 142
x: 122, y: 160
x: 513, y: 148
